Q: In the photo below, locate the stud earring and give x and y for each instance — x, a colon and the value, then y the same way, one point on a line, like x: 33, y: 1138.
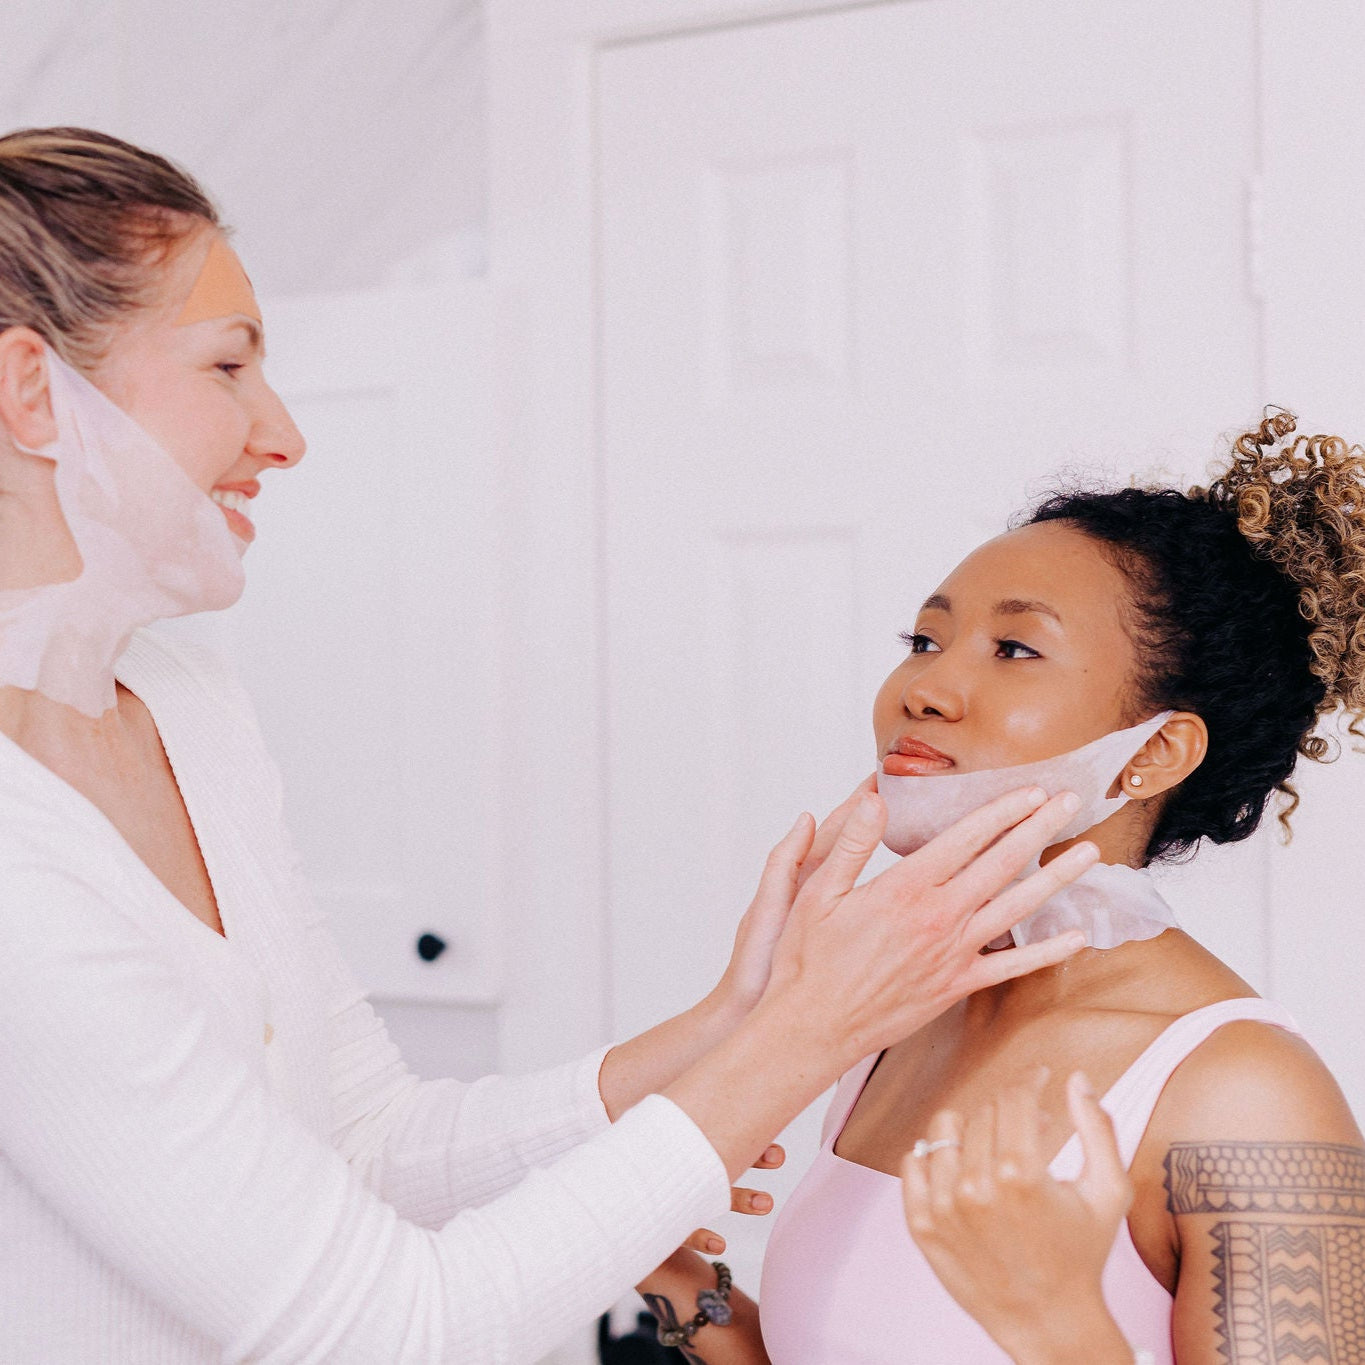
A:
x: 1135, y: 779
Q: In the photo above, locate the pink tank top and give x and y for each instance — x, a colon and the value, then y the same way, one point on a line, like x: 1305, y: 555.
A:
x: 844, y: 1284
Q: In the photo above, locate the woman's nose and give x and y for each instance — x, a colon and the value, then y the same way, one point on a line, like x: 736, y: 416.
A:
x: 933, y: 690
x: 274, y: 437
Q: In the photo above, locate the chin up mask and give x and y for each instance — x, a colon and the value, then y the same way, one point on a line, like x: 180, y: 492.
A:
x: 151, y: 543
x: 1111, y: 904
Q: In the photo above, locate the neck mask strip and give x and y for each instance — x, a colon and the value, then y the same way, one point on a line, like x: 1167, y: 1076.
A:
x: 1110, y: 906
x: 152, y: 545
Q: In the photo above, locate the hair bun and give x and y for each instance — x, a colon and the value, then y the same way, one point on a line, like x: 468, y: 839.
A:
x: 1300, y: 504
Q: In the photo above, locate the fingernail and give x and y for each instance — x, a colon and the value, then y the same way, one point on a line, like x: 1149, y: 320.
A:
x: 799, y: 821
x: 867, y: 807
x: 1082, y: 1084
x: 1070, y: 802
x: 763, y: 1201
x: 1036, y: 796
x: 1074, y: 941
x: 715, y: 1245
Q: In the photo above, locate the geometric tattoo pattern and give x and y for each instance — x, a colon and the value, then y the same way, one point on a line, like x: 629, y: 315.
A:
x: 1266, y: 1177
x: 1289, y: 1250
x: 1290, y: 1293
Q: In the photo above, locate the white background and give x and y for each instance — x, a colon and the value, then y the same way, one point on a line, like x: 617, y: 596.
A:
x: 655, y: 355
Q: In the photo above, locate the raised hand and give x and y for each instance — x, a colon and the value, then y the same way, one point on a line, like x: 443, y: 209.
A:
x: 790, y: 864
x: 1020, y: 1251
x: 857, y: 968
x: 900, y: 949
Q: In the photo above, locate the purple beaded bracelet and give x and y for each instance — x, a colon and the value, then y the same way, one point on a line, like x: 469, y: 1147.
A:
x: 713, y: 1306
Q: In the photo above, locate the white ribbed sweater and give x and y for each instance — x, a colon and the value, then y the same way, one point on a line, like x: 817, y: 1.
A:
x: 176, y: 1188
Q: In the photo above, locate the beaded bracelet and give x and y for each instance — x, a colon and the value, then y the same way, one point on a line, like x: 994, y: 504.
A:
x: 713, y: 1306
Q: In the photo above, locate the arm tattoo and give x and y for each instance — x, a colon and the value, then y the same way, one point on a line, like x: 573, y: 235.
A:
x: 1265, y: 1177
x: 663, y: 1309
x: 1289, y: 1258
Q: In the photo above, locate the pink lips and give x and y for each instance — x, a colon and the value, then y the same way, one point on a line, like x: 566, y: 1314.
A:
x: 914, y: 758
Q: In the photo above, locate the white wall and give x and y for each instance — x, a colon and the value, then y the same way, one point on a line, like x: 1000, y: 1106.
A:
x: 340, y: 137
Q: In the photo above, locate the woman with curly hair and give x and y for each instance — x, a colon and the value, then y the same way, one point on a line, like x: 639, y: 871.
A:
x: 1181, y: 649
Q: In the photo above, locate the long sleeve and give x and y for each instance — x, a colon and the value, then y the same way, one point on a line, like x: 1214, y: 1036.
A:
x: 432, y: 1148
x: 428, y: 1148
x: 129, y: 1113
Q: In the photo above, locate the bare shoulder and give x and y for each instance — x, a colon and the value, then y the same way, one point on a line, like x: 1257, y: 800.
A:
x: 1256, y: 1082
x: 1259, y: 1164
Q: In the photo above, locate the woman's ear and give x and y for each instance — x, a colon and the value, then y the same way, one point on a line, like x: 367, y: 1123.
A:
x: 25, y: 399
x: 1168, y: 758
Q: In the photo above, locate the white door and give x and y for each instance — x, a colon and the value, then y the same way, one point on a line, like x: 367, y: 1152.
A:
x: 866, y: 276
x: 369, y: 639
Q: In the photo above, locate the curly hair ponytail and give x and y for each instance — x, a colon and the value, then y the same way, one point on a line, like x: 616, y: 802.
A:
x: 1248, y: 609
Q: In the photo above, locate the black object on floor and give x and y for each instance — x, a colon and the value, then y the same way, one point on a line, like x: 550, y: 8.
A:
x: 638, y: 1347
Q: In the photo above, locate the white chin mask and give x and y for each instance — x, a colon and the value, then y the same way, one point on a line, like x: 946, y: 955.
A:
x: 152, y: 545
x: 1112, y: 904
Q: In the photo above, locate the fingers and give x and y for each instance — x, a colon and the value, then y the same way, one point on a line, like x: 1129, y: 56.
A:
x: 915, y: 1193
x: 1013, y: 904
x: 708, y: 1242
x: 853, y: 846
x: 773, y: 1156
x: 1016, y: 849
x: 945, y: 1164
x: 1018, y: 1131
x: 778, y: 883
x: 976, y: 1177
x: 948, y: 853
x: 830, y: 827
x: 750, y: 1201
x: 1104, y: 1184
x: 785, y: 859
x: 994, y: 968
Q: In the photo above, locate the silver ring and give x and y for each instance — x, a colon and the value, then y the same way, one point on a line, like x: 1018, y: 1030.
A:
x: 923, y: 1147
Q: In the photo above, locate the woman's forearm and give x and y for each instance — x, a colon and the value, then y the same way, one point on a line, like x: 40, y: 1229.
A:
x: 652, y: 1061
x: 671, y: 1295
x: 747, y: 1089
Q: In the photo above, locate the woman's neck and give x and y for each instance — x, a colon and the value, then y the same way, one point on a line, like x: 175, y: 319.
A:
x: 36, y: 545
x: 63, y: 739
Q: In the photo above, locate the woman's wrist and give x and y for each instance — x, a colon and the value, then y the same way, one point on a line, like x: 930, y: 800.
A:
x: 717, y: 1015
x: 1082, y: 1329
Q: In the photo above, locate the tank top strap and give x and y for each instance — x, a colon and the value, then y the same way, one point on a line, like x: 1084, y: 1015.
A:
x: 846, y: 1093
x: 1133, y: 1097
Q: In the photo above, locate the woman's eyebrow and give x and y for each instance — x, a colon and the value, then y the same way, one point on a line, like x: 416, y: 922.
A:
x: 254, y: 334
x: 937, y: 603
x: 1018, y: 606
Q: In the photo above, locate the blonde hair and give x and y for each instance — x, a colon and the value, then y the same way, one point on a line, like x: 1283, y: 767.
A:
x: 85, y: 219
